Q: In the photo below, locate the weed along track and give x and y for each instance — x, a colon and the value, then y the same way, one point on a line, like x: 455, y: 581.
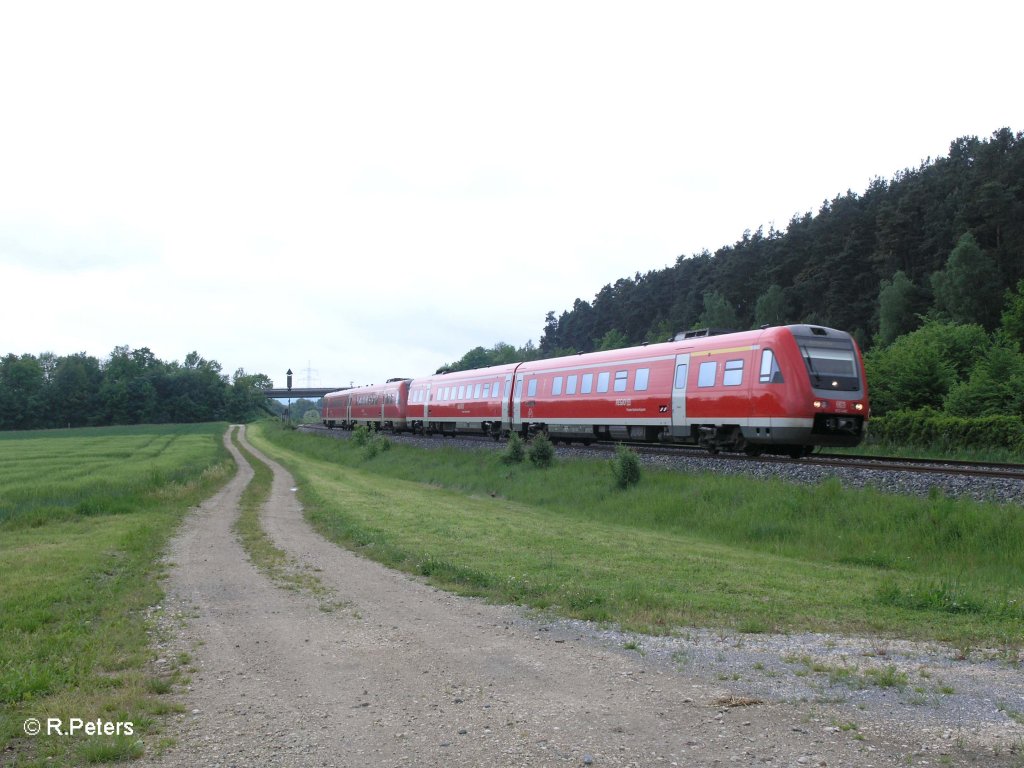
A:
x: 370, y: 667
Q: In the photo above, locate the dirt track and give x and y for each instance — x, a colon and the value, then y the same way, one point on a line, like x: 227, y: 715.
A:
x: 400, y: 674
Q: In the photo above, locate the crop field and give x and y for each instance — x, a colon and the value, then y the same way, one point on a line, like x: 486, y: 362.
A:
x: 84, y: 519
x: 675, y: 551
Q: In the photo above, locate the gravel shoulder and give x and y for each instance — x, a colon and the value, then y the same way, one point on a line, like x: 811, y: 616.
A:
x: 388, y: 671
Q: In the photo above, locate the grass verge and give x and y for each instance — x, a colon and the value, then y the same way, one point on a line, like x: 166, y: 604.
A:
x: 677, y: 549
x: 85, y: 516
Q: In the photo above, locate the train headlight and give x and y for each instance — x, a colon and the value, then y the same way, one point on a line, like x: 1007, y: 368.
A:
x: 859, y: 407
x: 821, y: 403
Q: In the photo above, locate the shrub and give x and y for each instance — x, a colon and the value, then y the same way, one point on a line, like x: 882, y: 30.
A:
x: 542, y: 451
x: 626, y: 466
x: 375, y: 444
x: 514, y: 453
x: 361, y: 435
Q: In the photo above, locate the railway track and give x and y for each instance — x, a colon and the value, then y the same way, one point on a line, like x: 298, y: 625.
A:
x: 942, y: 466
x: 989, y: 470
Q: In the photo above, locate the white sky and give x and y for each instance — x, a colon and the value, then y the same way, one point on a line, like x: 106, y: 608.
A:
x: 372, y: 189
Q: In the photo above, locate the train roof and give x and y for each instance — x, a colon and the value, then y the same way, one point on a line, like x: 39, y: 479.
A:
x: 701, y: 342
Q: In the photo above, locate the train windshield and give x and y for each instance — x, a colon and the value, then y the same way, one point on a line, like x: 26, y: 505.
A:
x: 831, y: 365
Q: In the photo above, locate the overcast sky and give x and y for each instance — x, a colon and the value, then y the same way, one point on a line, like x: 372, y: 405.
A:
x: 371, y: 189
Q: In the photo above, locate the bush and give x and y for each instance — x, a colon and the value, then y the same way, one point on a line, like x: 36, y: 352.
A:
x: 626, y: 466
x: 514, y: 453
x: 542, y: 451
x: 361, y: 435
x: 375, y: 444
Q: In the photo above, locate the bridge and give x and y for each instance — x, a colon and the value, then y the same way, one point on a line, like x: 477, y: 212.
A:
x: 310, y: 393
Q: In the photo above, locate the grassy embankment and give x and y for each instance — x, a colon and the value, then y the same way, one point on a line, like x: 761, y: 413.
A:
x: 85, y: 516
x: 676, y: 550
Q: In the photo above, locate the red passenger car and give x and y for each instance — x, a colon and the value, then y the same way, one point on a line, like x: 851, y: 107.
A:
x: 475, y: 401
x: 378, y: 406
x: 782, y: 389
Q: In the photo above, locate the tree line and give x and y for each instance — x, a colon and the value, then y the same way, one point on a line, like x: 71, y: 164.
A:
x: 902, y: 240
x: 129, y: 387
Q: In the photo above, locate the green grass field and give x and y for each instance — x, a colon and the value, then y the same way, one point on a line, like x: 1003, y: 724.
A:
x: 677, y: 550
x: 85, y: 516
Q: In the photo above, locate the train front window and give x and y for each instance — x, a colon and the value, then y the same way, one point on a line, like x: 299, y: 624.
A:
x: 832, y: 366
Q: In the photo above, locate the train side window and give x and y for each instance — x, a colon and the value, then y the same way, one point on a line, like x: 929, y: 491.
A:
x: 733, y: 375
x: 706, y: 374
x: 570, y: 385
x: 487, y: 390
x: 497, y: 389
x: 621, y: 380
x: 531, y: 388
x: 476, y: 392
x: 770, y: 372
x: 587, y: 385
x: 640, y: 383
x: 556, y: 386
x: 602, y: 381
x: 681, y: 376
x: 462, y: 392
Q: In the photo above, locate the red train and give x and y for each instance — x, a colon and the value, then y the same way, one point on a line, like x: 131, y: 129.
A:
x: 785, y: 389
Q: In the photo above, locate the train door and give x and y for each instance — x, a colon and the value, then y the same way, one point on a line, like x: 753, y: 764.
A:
x: 679, y: 426
x: 426, y: 405
x: 517, y: 404
x: 506, y: 398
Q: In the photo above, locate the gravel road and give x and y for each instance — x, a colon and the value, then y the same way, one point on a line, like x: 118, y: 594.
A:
x: 386, y: 671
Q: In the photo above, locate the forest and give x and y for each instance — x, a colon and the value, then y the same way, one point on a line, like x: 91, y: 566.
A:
x: 129, y: 387
x: 925, y: 270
